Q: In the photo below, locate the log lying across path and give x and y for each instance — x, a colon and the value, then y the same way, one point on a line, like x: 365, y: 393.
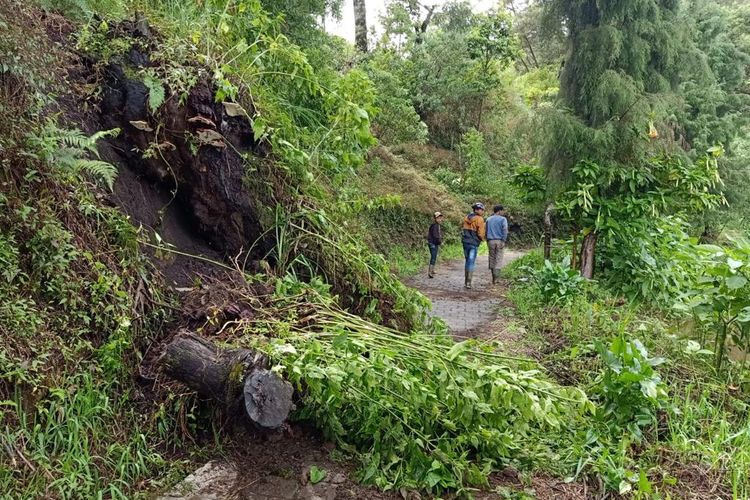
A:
x: 239, y: 379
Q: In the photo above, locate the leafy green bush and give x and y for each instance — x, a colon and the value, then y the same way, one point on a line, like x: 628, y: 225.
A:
x: 720, y: 298
x: 628, y: 206
x: 539, y: 85
x: 449, y: 178
x: 630, y: 387
x: 420, y: 410
x: 476, y: 161
x: 397, y: 121
x: 652, y: 260
x: 558, y: 282
x: 530, y: 180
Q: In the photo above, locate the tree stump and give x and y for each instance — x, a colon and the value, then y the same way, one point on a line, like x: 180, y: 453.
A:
x: 588, y: 253
x: 548, y: 231
x: 238, y: 379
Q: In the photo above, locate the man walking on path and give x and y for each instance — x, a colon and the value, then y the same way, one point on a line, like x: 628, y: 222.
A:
x: 497, y: 233
x: 472, y: 234
x: 434, y: 240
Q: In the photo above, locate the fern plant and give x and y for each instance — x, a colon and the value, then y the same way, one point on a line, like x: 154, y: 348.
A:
x: 70, y: 151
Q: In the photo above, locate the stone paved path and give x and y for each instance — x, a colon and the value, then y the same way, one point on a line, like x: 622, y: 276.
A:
x: 464, y: 311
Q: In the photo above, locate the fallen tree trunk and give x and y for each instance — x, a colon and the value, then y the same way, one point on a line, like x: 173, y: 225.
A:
x: 239, y: 379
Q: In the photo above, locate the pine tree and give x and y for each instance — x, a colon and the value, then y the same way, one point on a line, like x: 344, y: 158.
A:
x: 620, y: 86
x: 668, y: 62
x: 717, y: 104
x: 622, y: 68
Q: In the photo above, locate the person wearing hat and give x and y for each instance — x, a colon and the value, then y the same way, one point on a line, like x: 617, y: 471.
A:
x: 497, y: 234
x: 472, y: 235
x: 434, y: 240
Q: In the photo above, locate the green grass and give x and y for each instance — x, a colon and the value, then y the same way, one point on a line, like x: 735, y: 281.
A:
x: 72, y: 332
x: 709, y: 426
x: 85, y: 439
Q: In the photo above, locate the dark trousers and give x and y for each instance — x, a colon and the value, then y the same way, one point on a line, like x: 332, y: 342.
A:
x: 434, y: 249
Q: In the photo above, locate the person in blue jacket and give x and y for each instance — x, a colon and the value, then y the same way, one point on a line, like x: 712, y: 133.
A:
x: 497, y: 234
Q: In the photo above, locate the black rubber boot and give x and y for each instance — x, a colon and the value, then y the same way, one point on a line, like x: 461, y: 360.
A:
x: 431, y: 272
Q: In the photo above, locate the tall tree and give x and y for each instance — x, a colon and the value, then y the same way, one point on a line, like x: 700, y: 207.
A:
x: 543, y: 42
x: 715, y: 84
x: 493, y: 45
x: 301, y: 17
x: 620, y: 82
x: 619, y: 53
x: 408, y: 20
x: 360, y: 25
x: 452, y: 67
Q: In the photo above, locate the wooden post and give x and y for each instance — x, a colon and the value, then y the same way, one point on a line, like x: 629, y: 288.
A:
x: 548, y: 231
x: 588, y: 251
x: 574, y: 252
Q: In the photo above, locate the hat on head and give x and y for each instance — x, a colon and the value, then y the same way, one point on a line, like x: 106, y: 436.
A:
x: 477, y: 205
x: 438, y: 214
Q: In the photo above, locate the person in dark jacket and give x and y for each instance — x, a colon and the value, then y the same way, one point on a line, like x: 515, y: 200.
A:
x: 434, y: 240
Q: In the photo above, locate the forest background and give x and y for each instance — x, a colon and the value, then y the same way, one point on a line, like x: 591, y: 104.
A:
x: 614, y: 133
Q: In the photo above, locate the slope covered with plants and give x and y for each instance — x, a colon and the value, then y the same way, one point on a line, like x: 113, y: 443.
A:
x: 229, y: 169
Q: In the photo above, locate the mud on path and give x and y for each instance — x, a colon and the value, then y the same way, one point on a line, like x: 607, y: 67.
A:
x: 468, y: 313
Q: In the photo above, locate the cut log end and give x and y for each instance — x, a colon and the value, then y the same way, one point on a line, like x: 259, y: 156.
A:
x: 229, y: 376
x: 268, y: 399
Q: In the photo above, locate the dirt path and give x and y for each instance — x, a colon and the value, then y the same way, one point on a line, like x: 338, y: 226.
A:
x: 468, y: 313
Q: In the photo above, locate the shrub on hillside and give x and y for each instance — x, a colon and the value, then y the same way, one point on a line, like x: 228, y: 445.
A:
x: 652, y: 260
x: 558, y: 282
x: 397, y: 121
x: 630, y: 388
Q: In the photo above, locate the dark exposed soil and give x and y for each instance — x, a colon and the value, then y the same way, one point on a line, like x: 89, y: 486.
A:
x: 695, y: 481
x: 207, y: 179
x: 289, y: 456
x: 541, y: 486
x: 183, y: 170
x: 152, y: 206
